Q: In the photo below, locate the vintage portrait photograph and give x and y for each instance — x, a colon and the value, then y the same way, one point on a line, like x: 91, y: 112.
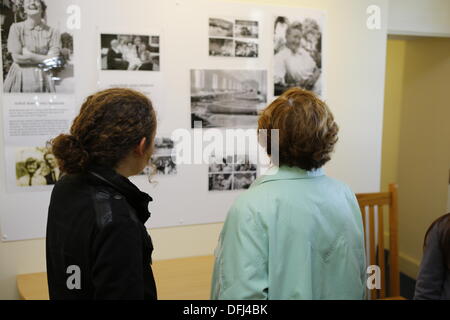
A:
x: 242, y: 181
x: 220, y: 182
x: 162, y: 161
x: 298, y: 54
x: 233, y: 38
x: 221, y: 164
x: 242, y: 163
x: 37, y: 55
x: 247, y: 49
x: 221, y: 47
x: 227, y: 98
x: 130, y: 52
x: 246, y: 29
x: 230, y: 172
x: 36, y: 166
x: 219, y: 27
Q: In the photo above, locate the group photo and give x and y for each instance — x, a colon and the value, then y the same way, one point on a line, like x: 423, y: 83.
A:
x: 130, y: 52
x: 162, y: 161
x: 233, y: 38
x: 36, y: 166
x: 230, y: 172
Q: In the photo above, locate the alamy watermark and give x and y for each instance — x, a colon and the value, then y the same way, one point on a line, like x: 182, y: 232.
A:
x: 74, y: 278
x: 74, y: 17
x: 374, y: 17
x: 195, y: 146
x: 374, y: 280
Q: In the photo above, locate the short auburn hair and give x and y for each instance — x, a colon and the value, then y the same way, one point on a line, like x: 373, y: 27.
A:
x: 307, y: 130
x: 110, y: 124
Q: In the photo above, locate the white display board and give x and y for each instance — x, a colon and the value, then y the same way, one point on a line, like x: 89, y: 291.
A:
x: 353, y: 59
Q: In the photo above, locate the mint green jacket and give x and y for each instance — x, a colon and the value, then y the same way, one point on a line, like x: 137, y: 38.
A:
x: 294, y: 234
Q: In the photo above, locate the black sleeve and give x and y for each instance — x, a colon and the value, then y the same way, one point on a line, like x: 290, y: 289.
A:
x: 118, y: 262
x: 432, y: 271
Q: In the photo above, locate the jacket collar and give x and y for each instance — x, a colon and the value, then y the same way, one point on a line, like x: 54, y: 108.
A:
x: 136, y: 198
x: 287, y: 173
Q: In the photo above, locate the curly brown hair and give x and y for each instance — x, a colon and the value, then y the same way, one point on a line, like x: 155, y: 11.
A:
x: 307, y: 130
x: 110, y: 124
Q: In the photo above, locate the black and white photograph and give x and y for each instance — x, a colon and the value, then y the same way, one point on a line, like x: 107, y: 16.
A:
x: 128, y: 52
x: 248, y: 49
x: 246, y: 29
x: 242, y: 163
x: 219, y: 27
x: 230, y: 172
x: 164, y: 165
x: 162, y: 160
x: 221, y: 47
x: 242, y: 181
x: 227, y: 98
x: 36, y: 166
x: 233, y: 38
x: 37, y: 50
x: 298, y: 54
x: 221, y: 164
x: 220, y: 182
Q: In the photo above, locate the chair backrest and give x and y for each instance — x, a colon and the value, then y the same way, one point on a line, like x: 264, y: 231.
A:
x: 372, y: 209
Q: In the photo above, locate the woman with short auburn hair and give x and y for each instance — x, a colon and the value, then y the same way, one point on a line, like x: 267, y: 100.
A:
x: 307, y: 131
x: 97, y: 244
x: 296, y: 233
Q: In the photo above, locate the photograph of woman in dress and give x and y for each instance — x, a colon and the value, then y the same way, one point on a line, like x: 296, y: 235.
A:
x: 36, y: 56
x: 35, y: 48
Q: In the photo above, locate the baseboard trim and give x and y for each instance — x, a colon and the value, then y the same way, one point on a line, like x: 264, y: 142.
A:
x: 408, y: 265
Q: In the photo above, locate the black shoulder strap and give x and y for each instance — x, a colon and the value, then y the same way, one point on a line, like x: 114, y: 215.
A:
x: 102, y: 206
x: 102, y: 203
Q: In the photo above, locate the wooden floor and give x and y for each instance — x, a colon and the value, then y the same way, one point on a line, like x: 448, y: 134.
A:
x: 176, y: 279
x: 184, y: 279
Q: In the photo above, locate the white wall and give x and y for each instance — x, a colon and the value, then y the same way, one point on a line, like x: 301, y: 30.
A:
x: 419, y: 17
x: 354, y: 59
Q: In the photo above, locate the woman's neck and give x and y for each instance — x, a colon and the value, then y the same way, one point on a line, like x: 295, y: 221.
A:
x: 34, y: 20
x: 126, y: 168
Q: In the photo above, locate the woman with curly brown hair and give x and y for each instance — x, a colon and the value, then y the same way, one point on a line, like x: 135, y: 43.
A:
x: 97, y: 244
x: 296, y: 233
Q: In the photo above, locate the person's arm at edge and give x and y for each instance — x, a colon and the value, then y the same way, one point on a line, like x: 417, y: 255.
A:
x: 432, y: 272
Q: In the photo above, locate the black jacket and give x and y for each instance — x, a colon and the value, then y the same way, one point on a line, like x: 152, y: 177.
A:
x: 433, y: 279
x: 97, y: 244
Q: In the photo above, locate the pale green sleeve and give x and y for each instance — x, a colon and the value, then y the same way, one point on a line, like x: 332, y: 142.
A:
x: 240, y: 270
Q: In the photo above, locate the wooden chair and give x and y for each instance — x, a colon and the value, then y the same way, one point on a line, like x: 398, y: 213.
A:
x: 372, y: 205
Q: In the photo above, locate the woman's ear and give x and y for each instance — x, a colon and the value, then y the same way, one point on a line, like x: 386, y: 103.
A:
x: 141, y: 147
